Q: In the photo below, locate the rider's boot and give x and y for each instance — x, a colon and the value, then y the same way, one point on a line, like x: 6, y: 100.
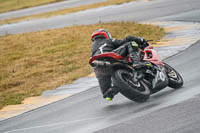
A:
x: 110, y: 93
x: 134, y: 54
x: 137, y: 63
x: 135, y: 57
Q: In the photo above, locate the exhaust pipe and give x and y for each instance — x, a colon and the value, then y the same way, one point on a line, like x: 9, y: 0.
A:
x: 102, y: 64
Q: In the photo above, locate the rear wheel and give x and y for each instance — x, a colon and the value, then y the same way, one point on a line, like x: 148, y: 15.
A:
x: 175, y: 79
x: 137, y: 91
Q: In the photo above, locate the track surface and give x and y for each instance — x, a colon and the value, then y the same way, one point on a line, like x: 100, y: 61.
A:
x: 168, y: 111
x: 47, y: 8
x: 88, y: 112
x: 135, y: 11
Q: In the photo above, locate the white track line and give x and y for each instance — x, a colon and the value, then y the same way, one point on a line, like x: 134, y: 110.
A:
x: 54, y: 124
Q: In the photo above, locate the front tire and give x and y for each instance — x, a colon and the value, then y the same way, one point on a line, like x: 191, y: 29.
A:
x: 136, y: 91
x: 175, y: 79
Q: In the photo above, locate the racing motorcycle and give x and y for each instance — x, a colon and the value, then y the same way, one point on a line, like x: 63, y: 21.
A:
x: 138, y: 84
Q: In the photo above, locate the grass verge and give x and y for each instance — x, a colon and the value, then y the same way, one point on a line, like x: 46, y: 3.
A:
x: 31, y: 63
x: 64, y: 11
x: 11, y: 5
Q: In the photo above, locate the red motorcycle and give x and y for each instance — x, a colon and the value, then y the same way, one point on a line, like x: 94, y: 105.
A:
x: 138, y: 84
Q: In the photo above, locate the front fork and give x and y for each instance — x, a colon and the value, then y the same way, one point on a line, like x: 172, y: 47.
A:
x: 161, y: 80
x: 156, y: 78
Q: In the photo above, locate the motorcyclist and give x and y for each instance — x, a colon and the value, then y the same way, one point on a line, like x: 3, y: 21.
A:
x: 103, y: 42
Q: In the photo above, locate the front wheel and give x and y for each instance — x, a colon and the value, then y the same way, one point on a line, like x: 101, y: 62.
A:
x: 136, y: 91
x: 175, y: 79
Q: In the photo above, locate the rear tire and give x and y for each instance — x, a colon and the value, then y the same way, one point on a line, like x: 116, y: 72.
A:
x: 175, y: 79
x: 136, y: 91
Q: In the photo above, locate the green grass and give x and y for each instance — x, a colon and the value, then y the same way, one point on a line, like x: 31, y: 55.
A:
x: 31, y: 63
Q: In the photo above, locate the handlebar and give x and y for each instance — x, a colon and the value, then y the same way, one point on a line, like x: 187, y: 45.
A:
x: 149, y: 40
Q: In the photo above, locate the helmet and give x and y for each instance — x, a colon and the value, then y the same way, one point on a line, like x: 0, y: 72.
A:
x: 100, y: 33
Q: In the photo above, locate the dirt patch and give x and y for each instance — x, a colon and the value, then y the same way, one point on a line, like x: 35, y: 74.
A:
x: 175, y: 28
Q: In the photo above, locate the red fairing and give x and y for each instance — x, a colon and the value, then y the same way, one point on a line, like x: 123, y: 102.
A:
x: 154, y: 59
x: 108, y: 54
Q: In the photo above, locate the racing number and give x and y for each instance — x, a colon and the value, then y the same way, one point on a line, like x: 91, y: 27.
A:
x: 162, y: 76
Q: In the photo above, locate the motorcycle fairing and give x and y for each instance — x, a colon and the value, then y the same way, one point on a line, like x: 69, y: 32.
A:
x: 152, y: 56
x: 161, y: 80
x: 107, y: 54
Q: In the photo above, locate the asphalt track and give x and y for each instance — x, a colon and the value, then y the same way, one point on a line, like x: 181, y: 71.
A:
x: 168, y: 111
x: 135, y: 11
x: 47, y: 8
